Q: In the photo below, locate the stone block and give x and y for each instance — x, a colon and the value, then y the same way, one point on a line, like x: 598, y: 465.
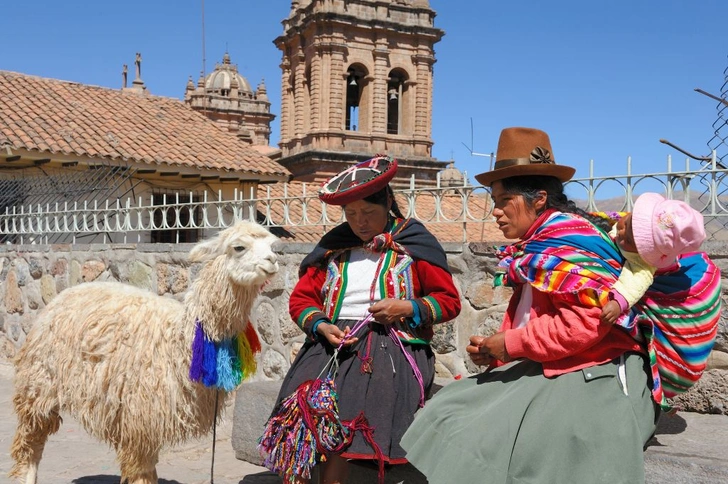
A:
x: 480, y: 294
x: 91, y: 270
x: 274, y: 364
x: 33, y: 296
x: 254, y: 403
x: 140, y: 275
x: 266, y: 321
x: 75, y: 273
x: 13, y: 295
x: 36, y: 268
x: 47, y: 288
x: 22, y: 272
x: 8, y: 349
x: 59, y: 267
x: 709, y: 395
x: 718, y: 360
x: 172, y: 279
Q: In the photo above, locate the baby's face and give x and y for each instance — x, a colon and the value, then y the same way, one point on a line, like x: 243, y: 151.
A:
x: 625, y: 238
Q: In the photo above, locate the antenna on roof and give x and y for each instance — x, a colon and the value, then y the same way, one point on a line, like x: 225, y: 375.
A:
x: 204, y: 98
x: 473, y: 153
x: 203, y: 37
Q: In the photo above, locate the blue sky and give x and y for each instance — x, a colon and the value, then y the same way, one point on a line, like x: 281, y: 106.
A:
x: 605, y: 79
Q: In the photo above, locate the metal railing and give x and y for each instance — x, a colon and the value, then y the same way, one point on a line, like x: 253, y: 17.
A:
x: 297, y: 206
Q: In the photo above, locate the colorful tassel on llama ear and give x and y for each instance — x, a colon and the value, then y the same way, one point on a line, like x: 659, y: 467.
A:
x: 223, y: 364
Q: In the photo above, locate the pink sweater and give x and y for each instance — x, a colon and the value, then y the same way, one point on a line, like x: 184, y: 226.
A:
x: 563, y: 337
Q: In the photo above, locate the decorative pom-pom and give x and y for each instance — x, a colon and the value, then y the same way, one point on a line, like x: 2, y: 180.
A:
x: 228, y: 366
x: 223, y: 364
x: 209, y: 363
x: 197, y: 353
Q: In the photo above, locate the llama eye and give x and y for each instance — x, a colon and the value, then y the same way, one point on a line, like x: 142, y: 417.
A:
x: 238, y: 248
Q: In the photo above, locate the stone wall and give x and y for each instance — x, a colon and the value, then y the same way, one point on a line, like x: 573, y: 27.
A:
x: 32, y: 275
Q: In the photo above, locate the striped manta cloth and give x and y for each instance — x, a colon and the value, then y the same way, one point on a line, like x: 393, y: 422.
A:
x: 676, y: 320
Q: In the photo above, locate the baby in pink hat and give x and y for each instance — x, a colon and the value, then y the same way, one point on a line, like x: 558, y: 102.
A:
x: 651, y: 237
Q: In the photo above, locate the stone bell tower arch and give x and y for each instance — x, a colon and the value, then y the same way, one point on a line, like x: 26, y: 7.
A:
x: 357, y: 79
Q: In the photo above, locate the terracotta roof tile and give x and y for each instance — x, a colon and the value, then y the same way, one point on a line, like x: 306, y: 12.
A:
x: 58, y: 116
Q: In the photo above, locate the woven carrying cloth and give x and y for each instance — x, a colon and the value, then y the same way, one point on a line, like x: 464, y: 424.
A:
x: 676, y: 320
x: 678, y: 316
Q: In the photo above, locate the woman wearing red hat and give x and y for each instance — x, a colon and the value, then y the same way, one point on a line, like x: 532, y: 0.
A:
x: 565, y: 398
x: 381, y: 265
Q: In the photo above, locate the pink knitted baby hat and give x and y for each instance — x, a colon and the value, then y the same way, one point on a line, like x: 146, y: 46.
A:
x: 664, y: 229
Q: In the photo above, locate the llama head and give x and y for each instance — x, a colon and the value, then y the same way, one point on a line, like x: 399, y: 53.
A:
x: 245, y: 250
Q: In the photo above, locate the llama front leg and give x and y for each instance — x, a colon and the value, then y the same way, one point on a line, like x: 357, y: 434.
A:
x: 30, y: 438
x: 137, y: 467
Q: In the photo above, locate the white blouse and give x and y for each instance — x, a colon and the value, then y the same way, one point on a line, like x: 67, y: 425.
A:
x: 360, y: 273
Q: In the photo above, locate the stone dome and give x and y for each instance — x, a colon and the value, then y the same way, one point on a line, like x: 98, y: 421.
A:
x: 451, y: 176
x: 226, y: 76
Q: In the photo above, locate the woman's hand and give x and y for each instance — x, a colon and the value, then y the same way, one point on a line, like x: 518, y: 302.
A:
x: 483, y: 349
x: 389, y: 311
x: 478, y: 354
x: 334, y: 335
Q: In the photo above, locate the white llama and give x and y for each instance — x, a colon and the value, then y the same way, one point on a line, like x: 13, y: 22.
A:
x: 118, y: 358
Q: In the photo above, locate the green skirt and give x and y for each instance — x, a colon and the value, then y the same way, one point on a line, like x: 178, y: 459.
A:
x: 513, y: 425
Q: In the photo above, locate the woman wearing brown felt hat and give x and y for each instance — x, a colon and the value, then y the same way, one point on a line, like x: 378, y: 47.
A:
x: 564, y: 398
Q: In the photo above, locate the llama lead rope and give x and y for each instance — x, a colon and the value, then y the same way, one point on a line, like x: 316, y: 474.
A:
x: 214, y: 438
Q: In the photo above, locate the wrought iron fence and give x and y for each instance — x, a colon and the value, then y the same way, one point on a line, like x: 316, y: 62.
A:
x: 705, y: 188
x: 463, y: 210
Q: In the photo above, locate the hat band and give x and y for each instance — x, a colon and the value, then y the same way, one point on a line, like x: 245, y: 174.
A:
x: 538, y: 155
x: 500, y: 164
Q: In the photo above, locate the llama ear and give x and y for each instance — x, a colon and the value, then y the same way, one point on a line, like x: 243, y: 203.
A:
x: 206, y: 250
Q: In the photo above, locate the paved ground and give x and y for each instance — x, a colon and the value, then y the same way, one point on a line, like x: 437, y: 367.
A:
x: 688, y: 449
x: 71, y: 456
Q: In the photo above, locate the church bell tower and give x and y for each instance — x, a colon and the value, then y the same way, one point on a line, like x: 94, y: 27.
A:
x: 357, y: 80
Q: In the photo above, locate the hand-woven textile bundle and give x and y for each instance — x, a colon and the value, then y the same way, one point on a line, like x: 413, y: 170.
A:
x: 305, y: 427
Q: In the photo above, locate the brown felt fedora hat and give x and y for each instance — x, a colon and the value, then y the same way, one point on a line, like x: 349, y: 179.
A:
x: 524, y: 151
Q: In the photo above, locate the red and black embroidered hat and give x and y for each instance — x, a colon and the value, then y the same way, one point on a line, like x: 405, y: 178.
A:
x: 359, y: 181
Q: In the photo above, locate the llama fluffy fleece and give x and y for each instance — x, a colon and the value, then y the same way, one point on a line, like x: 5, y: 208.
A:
x: 117, y: 358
